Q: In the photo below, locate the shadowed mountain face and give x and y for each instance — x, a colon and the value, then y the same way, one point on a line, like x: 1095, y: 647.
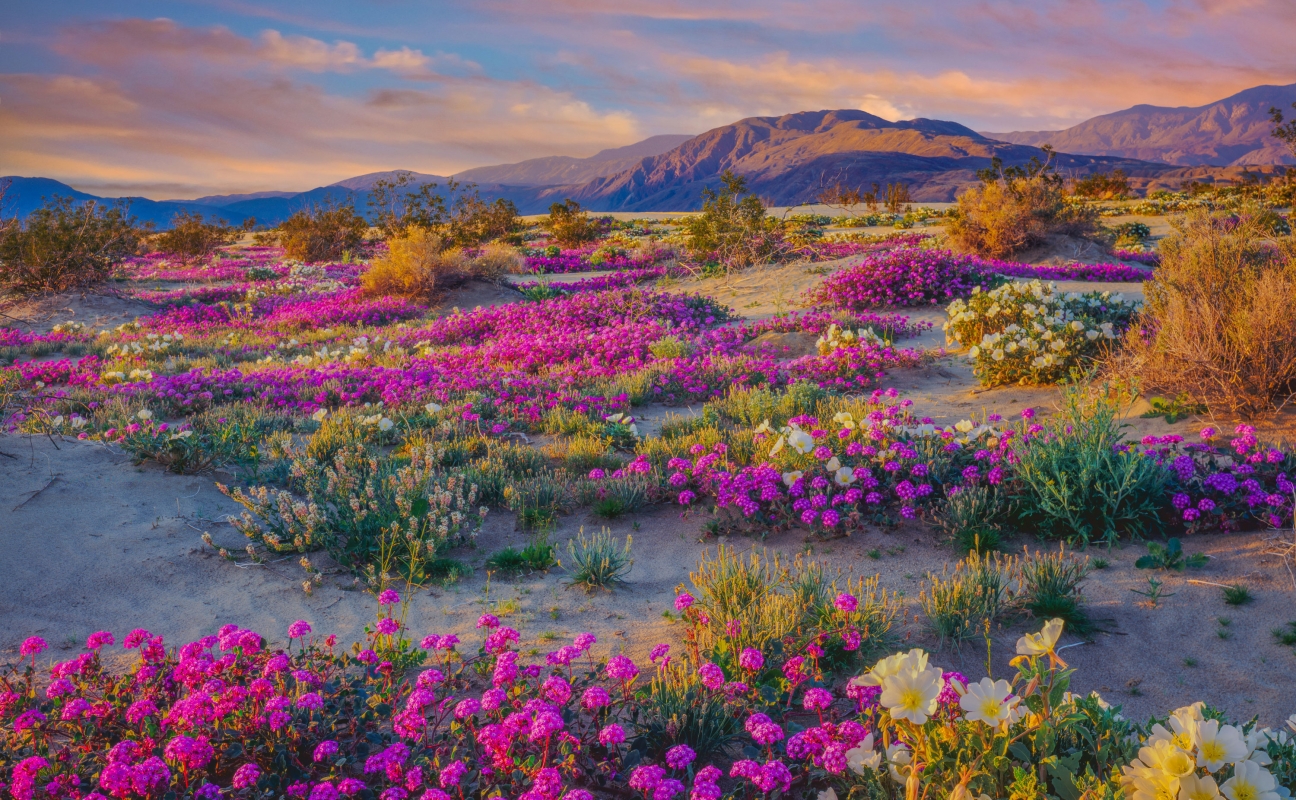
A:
x: 791, y: 159
x: 1234, y: 131
x: 565, y: 170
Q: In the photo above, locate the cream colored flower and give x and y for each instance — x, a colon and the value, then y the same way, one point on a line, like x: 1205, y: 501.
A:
x: 801, y: 441
x: 319, y: 415
x: 963, y: 426
x: 1250, y: 781
x: 833, y: 464
x: 432, y: 408
x: 911, y: 694
x: 1038, y: 644
x: 915, y: 660
x: 899, y: 762
x: 844, y: 476
x: 988, y: 701
x: 792, y: 477
x: 863, y: 757
x: 828, y: 794
x: 385, y: 424
x: 1192, y: 787
x: 1217, y: 744
x: 145, y: 414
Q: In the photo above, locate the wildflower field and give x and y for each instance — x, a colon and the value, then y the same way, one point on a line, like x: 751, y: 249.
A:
x: 440, y: 471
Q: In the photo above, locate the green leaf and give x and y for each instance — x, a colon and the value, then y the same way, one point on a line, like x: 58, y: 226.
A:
x: 1021, y: 752
x: 1146, y: 562
x: 420, y: 507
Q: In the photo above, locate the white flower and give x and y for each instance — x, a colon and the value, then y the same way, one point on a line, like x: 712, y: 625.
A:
x: 832, y: 464
x: 57, y: 421
x: 78, y: 422
x: 864, y: 756
x: 145, y: 414
x: 988, y: 701
x: 385, y: 424
x: 844, y: 476
x: 1192, y: 787
x: 319, y: 415
x: 792, y: 477
x: 801, y: 441
x: 911, y: 694
x: 828, y: 794
x: 1218, y: 745
x: 432, y: 408
x: 915, y: 660
x: 1037, y: 644
x: 974, y: 352
x: 899, y: 762
x: 1250, y: 781
x: 1291, y: 722
x: 998, y: 355
x: 964, y: 426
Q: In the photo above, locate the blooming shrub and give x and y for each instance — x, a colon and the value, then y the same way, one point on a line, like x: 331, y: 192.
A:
x: 1030, y: 333
x: 902, y: 277
x: 230, y: 715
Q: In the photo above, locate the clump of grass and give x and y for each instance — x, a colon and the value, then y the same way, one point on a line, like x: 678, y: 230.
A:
x: 539, y: 499
x: 1286, y: 635
x: 445, y: 569
x: 1049, y: 587
x: 670, y: 347
x: 958, y: 605
x: 1238, y: 595
x: 970, y: 517
x: 618, y: 496
x: 598, y: 561
x: 680, y: 711
x: 583, y: 452
x: 537, y: 556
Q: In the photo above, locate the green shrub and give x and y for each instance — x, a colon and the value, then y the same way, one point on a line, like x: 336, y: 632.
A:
x: 536, y: 556
x: 678, y: 710
x: 970, y: 518
x: 538, y: 499
x: 193, y: 237
x: 63, y: 245
x: 569, y: 225
x: 322, y: 233
x: 733, y: 230
x: 1080, y: 482
x: 615, y: 497
x: 597, y: 562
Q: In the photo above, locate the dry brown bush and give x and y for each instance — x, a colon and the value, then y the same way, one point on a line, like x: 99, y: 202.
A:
x: 496, y: 260
x: 1220, y: 319
x: 417, y: 266
x: 1005, y: 216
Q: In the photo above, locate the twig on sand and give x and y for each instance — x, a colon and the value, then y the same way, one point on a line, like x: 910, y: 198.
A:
x: 1286, y: 551
x: 36, y: 493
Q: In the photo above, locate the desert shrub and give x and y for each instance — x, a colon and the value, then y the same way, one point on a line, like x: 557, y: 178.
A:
x: 192, y: 237
x: 1131, y: 233
x: 961, y: 604
x: 970, y: 518
x: 417, y: 266
x: 63, y: 245
x: 357, y: 500
x: 1219, y: 324
x: 680, y: 710
x: 1030, y: 333
x: 583, y: 452
x: 401, y: 202
x: 1078, y: 480
x: 732, y: 230
x: 1015, y: 209
x: 1112, y: 185
x: 322, y: 233
x: 906, y: 276
x: 1049, y: 587
x: 570, y: 225
x: 538, y: 499
x: 474, y: 221
x: 617, y: 496
x: 597, y: 561
x: 496, y: 260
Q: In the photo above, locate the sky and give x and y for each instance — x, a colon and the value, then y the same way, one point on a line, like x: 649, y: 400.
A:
x: 181, y: 99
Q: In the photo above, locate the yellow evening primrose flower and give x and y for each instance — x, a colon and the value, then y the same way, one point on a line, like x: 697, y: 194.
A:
x: 915, y: 660
x: 1217, y: 744
x: 911, y: 694
x: 988, y: 701
x: 319, y: 415
x: 1038, y: 644
x: 1250, y: 781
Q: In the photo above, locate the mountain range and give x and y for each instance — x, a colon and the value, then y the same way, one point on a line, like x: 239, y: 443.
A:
x: 791, y: 159
x: 1234, y: 131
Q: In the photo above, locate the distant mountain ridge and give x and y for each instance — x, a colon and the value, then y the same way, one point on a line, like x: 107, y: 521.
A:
x: 1234, y: 131
x: 565, y: 170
